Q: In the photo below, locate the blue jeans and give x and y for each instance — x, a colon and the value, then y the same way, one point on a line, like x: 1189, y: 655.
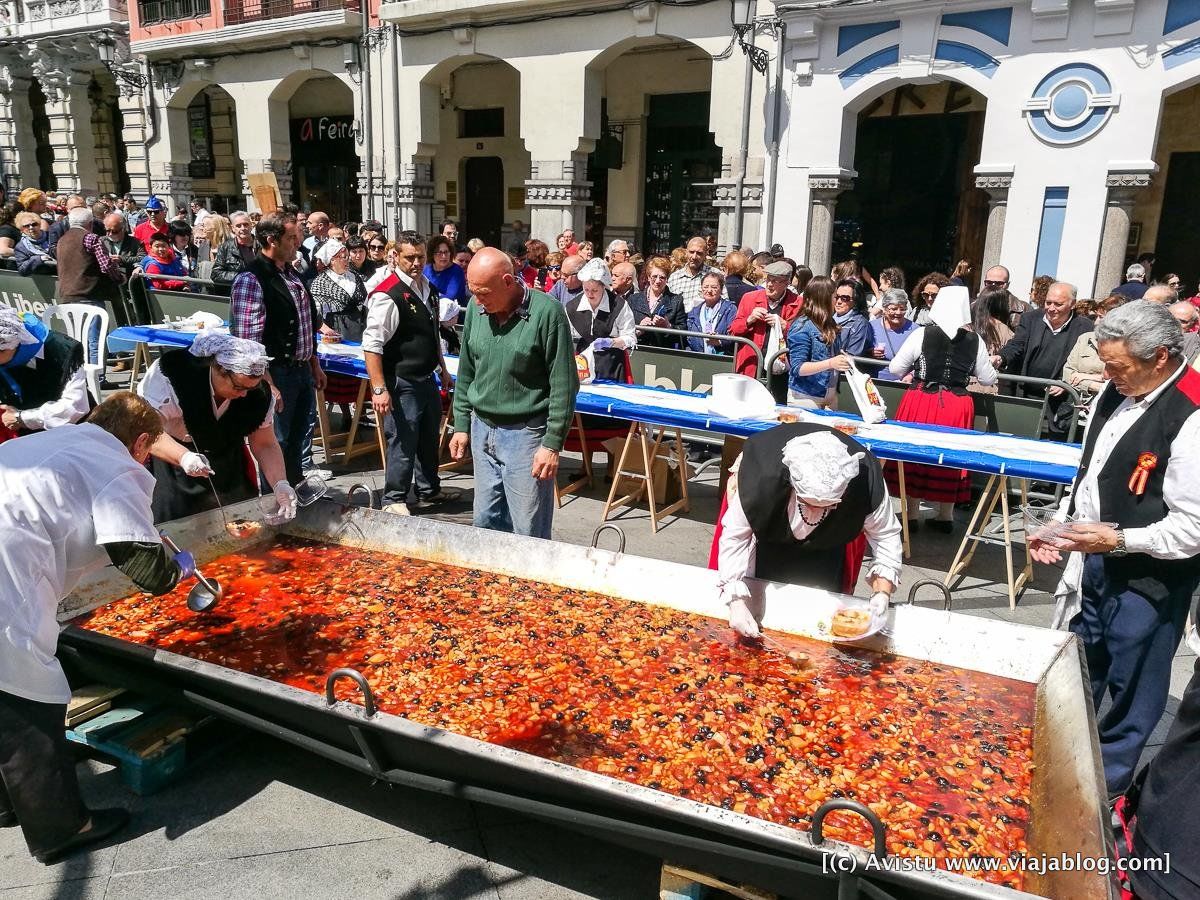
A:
x: 507, y: 496
x: 412, y: 439
x: 93, y: 336
x: 292, y: 426
x: 1129, y: 643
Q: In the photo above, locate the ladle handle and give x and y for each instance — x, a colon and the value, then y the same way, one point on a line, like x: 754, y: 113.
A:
x: 174, y: 548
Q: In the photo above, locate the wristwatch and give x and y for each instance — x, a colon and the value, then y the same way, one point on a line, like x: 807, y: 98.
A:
x: 1119, y: 550
x: 378, y: 391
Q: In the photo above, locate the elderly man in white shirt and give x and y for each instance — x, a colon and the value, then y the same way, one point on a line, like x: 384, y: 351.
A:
x: 802, y: 497
x: 1133, y: 528
x: 602, y: 323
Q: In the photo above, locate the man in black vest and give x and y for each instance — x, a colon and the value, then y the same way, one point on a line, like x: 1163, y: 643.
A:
x: 272, y: 306
x: 1040, y: 347
x: 402, y: 349
x: 1127, y: 586
x: 802, y: 496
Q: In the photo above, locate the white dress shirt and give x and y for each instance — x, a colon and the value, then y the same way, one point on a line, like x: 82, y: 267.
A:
x: 71, y: 407
x: 382, y: 316
x: 158, y: 391
x: 1175, y: 536
x: 906, y: 358
x: 623, y: 326
x: 738, y: 547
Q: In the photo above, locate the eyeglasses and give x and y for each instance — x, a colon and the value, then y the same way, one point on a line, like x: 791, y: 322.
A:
x: 994, y: 284
x: 442, y: 252
x: 554, y: 268
x: 378, y: 246
x: 929, y: 295
x: 849, y: 298
x: 1173, y: 283
x: 232, y: 378
x: 31, y: 225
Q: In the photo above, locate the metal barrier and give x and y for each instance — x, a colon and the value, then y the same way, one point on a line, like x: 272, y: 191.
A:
x: 732, y: 339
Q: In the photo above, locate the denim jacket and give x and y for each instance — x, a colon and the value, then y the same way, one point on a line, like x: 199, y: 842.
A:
x: 805, y: 345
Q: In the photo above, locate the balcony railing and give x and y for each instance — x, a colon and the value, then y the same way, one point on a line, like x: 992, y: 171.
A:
x: 155, y: 12
x: 238, y: 12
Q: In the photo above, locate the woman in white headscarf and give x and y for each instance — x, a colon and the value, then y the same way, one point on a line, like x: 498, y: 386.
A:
x: 943, y: 357
x: 805, y: 502
x: 42, y: 381
x: 214, y: 404
x: 602, y: 323
x: 341, y: 296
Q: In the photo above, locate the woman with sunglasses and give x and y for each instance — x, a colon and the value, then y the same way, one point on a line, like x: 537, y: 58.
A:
x: 924, y: 295
x: 33, y: 250
x: 214, y: 406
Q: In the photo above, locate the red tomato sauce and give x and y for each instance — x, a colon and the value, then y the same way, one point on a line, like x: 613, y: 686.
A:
x: 651, y: 695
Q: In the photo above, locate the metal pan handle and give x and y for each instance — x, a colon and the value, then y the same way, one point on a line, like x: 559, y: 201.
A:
x: 608, y: 526
x: 928, y: 582
x: 356, y: 488
x: 356, y: 677
x: 877, y: 829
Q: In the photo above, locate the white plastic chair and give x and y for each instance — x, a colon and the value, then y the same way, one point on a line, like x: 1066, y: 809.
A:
x: 78, y: 317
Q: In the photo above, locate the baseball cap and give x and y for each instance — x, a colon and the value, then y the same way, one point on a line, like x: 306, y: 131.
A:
x: 154, y: 203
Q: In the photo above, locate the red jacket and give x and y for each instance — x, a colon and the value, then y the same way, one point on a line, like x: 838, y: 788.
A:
x: 746, y: 363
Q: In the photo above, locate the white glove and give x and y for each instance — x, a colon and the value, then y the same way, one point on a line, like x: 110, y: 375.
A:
x: 195, y: 464
x: 742, y: 620
x: 879, y: 604
x: 285, y: 497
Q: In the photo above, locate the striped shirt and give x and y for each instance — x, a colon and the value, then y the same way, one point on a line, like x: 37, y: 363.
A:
x: 248, y: 313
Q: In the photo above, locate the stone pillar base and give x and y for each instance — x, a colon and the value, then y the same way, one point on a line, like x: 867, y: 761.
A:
x: 172, y: 184
x: 997, y: 183
x: 557, y: 196
x: 414, y: 197
x: 824, y: 188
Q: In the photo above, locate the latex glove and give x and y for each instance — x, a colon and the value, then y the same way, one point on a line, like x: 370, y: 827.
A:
x: 195, y: 464
x: 879, y: 604
x: 600, y: 344
x: 742, y: 620
x: 285, y: 497
x: 186, y: 563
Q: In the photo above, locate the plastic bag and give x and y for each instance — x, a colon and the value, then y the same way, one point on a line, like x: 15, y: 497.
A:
x: 870, y: 405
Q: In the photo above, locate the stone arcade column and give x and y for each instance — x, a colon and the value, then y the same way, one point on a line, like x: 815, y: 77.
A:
x: 16, y: 151
x: 725, y: 202
x: 1122, y: 192
x: 70, y: 113
x: 557, y: 195
x: 414, y: 196
x: 997, y: 183
x: 824, y: 187
x: 135, y: 122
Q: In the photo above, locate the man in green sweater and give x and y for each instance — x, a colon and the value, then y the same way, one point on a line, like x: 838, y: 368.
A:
x: 514, y: 396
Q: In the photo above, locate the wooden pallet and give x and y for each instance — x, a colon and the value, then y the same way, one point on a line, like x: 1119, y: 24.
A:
x: 678, y: 883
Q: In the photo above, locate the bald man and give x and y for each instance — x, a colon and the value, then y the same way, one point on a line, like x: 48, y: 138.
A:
x: 568, y: 289
x: 686, y: 281
x: 1160, y: 293
x: 624, y: 280
x: 514, y: 396
x: 1188, y: 318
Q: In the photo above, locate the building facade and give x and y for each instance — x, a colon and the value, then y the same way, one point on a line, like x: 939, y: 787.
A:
x: 72, y: 99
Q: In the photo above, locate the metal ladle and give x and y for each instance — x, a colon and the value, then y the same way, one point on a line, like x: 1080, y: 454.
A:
x: 206, y: 592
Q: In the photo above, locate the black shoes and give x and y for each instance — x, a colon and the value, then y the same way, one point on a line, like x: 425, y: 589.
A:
x: 941, y: 525
x: 105, y: 822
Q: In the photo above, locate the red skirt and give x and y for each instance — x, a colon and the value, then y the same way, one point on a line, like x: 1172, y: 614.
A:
x: 341, y: 388
x: 933, y: 483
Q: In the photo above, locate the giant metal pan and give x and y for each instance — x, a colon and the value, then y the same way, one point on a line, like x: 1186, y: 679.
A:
x: 1067, y: 803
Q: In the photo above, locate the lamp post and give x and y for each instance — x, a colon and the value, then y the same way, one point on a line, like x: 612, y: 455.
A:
x: 129, y: 83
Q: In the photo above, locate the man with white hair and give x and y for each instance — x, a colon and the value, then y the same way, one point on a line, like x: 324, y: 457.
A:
x: 236, y: 253
x: 1135, y: 282
x: 1134, y: 536
x: 42, y: 381
x: 617, y: 253
x: 803, y: 499
x: 1040, y: 347
x: 86, y: 271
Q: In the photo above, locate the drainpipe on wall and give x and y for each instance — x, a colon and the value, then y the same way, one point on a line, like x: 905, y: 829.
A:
x: 395, y: 79
x: 744, y: 148
x: 773, y: 149
x: 364, y: 56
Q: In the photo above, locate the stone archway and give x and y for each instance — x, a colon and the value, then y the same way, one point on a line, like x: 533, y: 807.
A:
x: 324, y: 144
x: 914, y: 203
